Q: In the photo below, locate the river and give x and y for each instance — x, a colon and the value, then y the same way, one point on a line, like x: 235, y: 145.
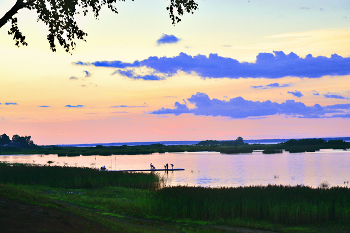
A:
x: 212, y: 169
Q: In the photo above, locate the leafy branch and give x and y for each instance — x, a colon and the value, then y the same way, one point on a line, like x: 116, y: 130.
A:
x: 59, y: 16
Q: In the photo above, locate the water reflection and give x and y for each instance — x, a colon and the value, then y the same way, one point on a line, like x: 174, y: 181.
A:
x: 212, y: 169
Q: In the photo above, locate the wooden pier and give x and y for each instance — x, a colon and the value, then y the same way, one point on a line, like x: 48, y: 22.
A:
x: 148, y: 170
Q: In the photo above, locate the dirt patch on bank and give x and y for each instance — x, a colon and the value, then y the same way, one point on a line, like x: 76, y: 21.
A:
x: 17, y: 216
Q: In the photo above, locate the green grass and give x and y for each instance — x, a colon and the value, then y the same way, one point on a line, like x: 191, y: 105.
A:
x: 73, y: 177
x: 44, y: 196
x: 213, y: 207
x: 103, y: 195
x: 278, y: 204
x: 123, y: 201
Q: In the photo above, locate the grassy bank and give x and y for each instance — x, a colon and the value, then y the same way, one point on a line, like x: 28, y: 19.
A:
x: 116, y: 195
x: 73, y: 177
x: 278, y: 204
x: 65, y: 201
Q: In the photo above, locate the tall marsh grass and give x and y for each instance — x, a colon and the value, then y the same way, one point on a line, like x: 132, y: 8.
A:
x: 279, y: 204
x: 72, y: 177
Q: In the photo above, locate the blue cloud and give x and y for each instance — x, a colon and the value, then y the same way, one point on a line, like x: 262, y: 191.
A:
x: 167, y: 39
x: 87, y: 73
x: 267, y: 65
x: 74, y: 106
x: 126, y: 73
x: 131, y: 74
x: 296, y: 93
x: 315, y: 92
x: 10, y: 103
x: 73, y: 78
x: 342, y: 115
x: 120, y: 106
x: 114, y: 64
x: 240, y: 108
x: 270, y: 86
x: 128, y: 106
x: 179, y: 109
x: 81, y: 63
x: 334, y: 96
x: 43, y: 106
x: 339, y: 106
x: 150, y: 77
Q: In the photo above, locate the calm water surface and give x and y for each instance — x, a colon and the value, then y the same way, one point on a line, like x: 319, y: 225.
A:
x: 212, y: 169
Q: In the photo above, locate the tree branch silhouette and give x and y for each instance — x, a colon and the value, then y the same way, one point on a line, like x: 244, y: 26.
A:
x: 58, y: 15
x: 19, y: 5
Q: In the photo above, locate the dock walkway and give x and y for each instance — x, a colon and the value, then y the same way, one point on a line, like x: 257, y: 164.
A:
x: 148, y: 170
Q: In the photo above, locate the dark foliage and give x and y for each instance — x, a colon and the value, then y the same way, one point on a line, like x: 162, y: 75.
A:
x: 312, y: 145
x: 160, y: 148
x: 4, y: 140
x: 306, y: 141
x: 72, y: 177
x: 17, y: 141
x: 279, y: 204
x: 239, y: 141
x: 272, y: 151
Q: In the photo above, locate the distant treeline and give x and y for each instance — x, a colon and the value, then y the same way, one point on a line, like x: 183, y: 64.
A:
x: 238, y: 142
x: 17, y: 141
x: 304, y: 145
x: 23, y: 145
x: 312, y: 141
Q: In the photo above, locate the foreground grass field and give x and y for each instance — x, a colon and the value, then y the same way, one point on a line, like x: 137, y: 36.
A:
x: 119, y: 200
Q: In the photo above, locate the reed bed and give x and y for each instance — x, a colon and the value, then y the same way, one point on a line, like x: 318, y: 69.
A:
x: 272, y: 151
x: 279, y: 204
x: 235, y: 150
x: 293, y: 146
x: 73, y: 177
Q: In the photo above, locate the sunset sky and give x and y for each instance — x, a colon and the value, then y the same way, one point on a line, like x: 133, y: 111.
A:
x: 255, y: 69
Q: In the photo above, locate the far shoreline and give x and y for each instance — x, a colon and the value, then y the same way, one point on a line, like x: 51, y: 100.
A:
x: 170, y: 143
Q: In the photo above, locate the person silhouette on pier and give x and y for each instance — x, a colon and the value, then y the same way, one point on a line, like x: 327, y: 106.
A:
x: 167, y: 167
x: 172, y: 166
x: 152, y: 167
